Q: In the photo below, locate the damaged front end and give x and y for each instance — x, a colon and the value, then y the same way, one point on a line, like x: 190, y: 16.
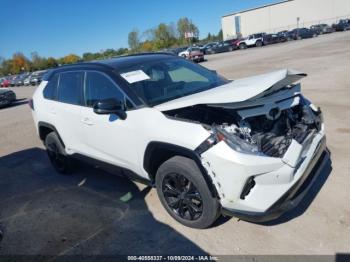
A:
x: 258, y: 149
x: 271, y: 134
x: 265, y: 127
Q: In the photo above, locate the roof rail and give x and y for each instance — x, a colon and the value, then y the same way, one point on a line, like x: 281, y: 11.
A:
x: 144, y: 53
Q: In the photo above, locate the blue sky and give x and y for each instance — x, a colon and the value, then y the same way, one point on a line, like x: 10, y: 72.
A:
x: 59, y: 27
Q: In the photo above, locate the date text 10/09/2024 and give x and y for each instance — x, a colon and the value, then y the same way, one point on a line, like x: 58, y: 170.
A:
x: 172, y: 258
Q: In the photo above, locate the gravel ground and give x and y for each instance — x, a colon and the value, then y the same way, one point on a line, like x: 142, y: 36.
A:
x: 94, y: 212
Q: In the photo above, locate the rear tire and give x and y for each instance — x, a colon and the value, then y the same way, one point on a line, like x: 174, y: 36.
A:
x: 184, y: 193
x: 258, y: 44
x: 62, y: 163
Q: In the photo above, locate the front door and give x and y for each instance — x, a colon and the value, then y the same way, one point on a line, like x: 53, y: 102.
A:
x: 106, y: 137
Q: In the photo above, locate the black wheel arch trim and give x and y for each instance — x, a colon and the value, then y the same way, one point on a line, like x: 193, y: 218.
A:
x: 161, y: 147
x: 53, y: 128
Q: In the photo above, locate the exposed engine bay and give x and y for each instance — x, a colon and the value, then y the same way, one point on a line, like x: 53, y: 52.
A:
x: 267, y: 134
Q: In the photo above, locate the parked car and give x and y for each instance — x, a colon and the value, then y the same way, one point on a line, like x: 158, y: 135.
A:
x: 7, y: 97
x: 225, y: 46
x: 321, y: 29
x: 19, y: 81
x: 193, y: 53
x: 283, y: 34
x: 36, y: 77
x: 208, y: 46
x: 175, y: 50
x: 252, y: 40
x: 248, y: 148
x: 301, y: 33
x: 342, y: 25
x: 12, y: 80
x: 26, y: 81
x: 269, y: 39
x: 5, y: 83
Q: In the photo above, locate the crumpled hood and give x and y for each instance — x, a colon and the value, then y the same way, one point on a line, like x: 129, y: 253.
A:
x: 237, y: 90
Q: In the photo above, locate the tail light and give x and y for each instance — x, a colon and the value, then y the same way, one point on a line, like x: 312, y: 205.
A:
x: 31, y: 104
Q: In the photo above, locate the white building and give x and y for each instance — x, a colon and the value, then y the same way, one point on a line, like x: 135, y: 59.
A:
x: 284, y: 15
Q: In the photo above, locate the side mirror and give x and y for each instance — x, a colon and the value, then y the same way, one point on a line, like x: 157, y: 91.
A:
x: 110, y: 106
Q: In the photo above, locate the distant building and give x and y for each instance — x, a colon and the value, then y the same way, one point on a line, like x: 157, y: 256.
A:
x: 284, y: 15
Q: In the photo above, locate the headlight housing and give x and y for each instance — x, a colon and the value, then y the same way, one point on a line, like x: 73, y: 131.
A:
x: 236, y: 143
x: 232, y: 140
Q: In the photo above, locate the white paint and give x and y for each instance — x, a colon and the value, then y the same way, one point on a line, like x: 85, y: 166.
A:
x: 237, y: 90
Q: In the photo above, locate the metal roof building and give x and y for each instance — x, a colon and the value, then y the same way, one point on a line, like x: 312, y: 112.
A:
x: 284, y: 15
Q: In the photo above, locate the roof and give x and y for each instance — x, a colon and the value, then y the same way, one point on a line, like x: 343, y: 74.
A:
x: 120, y: 61
x: 134, y: 59
x: 258, y: 7
x: 112, y: 63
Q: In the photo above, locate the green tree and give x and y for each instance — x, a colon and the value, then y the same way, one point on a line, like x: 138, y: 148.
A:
x: 19, y: 63
x: 38, y: 62
x: 70, y: 59
x: 122, y: 51
x: 220, y: 36
x: 51, y: 62
x: 185, y: 25
x: 134, y: 40
x: 6, y: 66
x: 91, y: 56
x: 163, y: 36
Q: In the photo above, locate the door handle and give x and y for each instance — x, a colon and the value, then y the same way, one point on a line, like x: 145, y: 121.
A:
x: 87, y: 121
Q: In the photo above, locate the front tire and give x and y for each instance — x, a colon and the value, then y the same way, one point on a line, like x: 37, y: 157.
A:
x: 242, y: 46
x: 62, y: 163
x: 184, y: 193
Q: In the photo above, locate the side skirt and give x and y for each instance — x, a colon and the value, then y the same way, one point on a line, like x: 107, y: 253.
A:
x: 113, y: 169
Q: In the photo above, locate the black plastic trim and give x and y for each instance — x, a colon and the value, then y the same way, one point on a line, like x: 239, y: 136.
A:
x: 113, y: 169
x: 177, y: 150
x: 44, y: 124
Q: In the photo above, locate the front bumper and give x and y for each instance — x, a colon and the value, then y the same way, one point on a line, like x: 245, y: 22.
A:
x: 294, y: 195
x: 280, y: 183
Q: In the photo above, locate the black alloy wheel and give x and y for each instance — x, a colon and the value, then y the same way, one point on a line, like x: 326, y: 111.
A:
x: 182, y: 196
x: 57, y: 159
x: 56, y: 153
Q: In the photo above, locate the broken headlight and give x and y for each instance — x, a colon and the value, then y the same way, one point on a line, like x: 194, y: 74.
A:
x: 231, y: 139
x: 237, y: 143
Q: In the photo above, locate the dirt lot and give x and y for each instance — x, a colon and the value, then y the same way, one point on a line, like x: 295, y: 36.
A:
x: 42, y: 212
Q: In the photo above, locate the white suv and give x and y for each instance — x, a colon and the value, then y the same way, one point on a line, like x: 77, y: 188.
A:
x: 209, y: 145
x: 252, y: 40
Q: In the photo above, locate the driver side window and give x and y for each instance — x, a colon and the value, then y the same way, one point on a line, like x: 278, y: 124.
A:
x: 99, y: 87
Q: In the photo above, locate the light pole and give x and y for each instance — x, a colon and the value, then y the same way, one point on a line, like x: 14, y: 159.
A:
x: 298, y: 19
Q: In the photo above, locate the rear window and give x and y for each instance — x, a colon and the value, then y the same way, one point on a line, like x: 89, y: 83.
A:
x: 70, y: 88
x: 50, y: 91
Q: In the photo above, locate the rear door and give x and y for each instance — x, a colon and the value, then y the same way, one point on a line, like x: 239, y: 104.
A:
x: 66, y: 110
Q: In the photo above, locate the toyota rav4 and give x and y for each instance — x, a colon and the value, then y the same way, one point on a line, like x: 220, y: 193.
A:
x: 249, y: 148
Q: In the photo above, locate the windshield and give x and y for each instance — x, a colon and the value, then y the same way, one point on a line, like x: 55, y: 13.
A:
x: 162, y: 80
